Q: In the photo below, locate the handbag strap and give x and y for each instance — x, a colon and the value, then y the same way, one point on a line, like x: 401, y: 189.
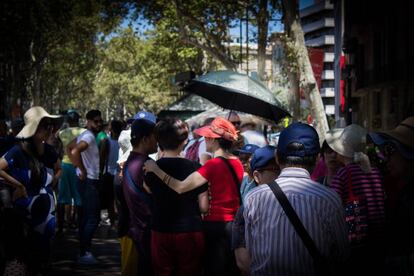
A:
x: 236, y: 180
x: 294, y: 219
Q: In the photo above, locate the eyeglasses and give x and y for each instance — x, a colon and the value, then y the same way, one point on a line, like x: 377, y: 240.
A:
x: 236, y: 123
x: 389, y: 150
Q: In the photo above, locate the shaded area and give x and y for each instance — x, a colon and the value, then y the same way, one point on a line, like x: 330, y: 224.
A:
x: 105, y: 248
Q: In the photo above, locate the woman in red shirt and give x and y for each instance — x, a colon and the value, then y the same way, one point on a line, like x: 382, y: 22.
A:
x: 224, y: 173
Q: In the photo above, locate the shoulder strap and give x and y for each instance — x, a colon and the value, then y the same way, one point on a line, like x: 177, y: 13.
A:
x: 294, y: 219
x: 236, y: 180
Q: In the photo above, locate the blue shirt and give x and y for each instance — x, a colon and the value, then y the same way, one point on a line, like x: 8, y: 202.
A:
x: 39, y: 207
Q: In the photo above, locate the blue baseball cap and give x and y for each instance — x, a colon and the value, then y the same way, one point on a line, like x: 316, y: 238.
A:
x: 144, y: 115
x: 262, y: 157
x: 299, y: 133
x: 248, y: 149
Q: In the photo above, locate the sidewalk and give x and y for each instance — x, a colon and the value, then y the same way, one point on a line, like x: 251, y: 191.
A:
x: 105, y: 247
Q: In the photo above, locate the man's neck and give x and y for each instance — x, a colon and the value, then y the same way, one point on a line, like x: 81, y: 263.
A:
x: 172, y: 153
x: 140, y: 149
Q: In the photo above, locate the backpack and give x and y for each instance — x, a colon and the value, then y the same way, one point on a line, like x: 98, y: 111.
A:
x: 192, y: 152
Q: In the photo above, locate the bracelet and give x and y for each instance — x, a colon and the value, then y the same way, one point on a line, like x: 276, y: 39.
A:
x: 168, y: 180
x: 165, y: 178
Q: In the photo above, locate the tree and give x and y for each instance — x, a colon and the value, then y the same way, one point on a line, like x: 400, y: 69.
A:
x: 32, y: 31
x: 136, y: 73
x: 206, y: 24
x: 306, y: 76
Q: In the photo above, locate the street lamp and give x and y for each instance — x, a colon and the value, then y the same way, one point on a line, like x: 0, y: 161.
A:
x: 349, y: 47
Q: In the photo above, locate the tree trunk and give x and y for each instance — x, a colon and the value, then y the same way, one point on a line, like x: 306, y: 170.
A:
x: 307, y: 79
x: 262, y: 27
x: 294, y: 96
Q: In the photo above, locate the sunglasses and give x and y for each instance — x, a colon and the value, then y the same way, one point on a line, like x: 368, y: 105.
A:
x: 389, y: 150
x: 237, y: 123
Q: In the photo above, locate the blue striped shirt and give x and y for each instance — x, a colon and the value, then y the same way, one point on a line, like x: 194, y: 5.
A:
x: 271, y: 239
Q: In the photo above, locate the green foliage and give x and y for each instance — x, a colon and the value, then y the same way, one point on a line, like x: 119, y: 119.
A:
x: 136, y: 74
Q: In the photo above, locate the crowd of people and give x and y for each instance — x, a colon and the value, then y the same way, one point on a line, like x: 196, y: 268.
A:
x: 212, y: 199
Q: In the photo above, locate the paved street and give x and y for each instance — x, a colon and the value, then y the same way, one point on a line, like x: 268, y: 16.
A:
x: 105, y: 247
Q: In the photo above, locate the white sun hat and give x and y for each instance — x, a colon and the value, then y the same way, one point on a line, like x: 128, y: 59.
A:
x: 32, y: 118
x: 347, y: 141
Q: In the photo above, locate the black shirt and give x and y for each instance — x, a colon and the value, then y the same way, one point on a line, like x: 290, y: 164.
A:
x: 173, y: 212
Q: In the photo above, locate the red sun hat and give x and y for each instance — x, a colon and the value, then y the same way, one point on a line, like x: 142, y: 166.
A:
x: 219, y: 128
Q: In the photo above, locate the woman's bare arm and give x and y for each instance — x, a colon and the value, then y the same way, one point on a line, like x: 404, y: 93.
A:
x: 193, y: 181
x: 203, y: 203
x: 11, y: 181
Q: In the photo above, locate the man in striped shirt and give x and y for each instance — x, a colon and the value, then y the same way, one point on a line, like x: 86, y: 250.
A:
x: 274, y: 245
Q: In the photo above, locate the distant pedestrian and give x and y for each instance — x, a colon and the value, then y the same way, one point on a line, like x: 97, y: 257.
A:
x: 85, y: 157
x: 109, y: 151
x: 68, y: 193
x: 247, y: 183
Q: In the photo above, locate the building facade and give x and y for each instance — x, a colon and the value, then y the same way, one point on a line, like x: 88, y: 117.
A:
x: 377, y: 48
x: 318, y: 24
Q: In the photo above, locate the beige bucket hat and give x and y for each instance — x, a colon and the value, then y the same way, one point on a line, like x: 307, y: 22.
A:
x: 32, y: 118
x: 347, y: 141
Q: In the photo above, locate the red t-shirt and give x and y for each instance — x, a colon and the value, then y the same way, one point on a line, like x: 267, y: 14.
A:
x: 223, y: 193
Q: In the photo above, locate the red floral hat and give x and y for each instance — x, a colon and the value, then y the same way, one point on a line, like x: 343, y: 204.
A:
x: 219, y: 128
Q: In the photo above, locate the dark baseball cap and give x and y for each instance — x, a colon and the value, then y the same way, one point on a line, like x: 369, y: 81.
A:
x: 145, y: 115
x: 248, y: 149
x: 262, y: 157
x: 299, y: 133
x: 143, y: 124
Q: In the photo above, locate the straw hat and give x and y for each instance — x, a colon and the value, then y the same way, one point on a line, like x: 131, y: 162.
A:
x: 32, y: 118
x: 347, y: 141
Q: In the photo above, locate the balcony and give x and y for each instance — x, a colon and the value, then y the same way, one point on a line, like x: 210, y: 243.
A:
x: 329, y: 57
x: 328, y: 75
x: 321, y: 41
x: 327, y: 92
x: 326, y: 5
x: 320, y: 24
x: 330, y: 109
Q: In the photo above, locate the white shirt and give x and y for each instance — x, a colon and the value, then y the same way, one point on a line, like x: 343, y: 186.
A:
x: 90, y: 156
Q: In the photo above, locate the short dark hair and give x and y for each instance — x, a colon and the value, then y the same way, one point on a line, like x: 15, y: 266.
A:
x: 170, y: 133
x: 72, y: 116
x: 93, y: 114
x: 225, y: 144
x: 307, y: 162
x: 139, y: 130
x: 117, y: 126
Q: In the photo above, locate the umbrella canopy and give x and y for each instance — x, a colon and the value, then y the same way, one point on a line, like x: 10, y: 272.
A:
x: 239, y: 92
